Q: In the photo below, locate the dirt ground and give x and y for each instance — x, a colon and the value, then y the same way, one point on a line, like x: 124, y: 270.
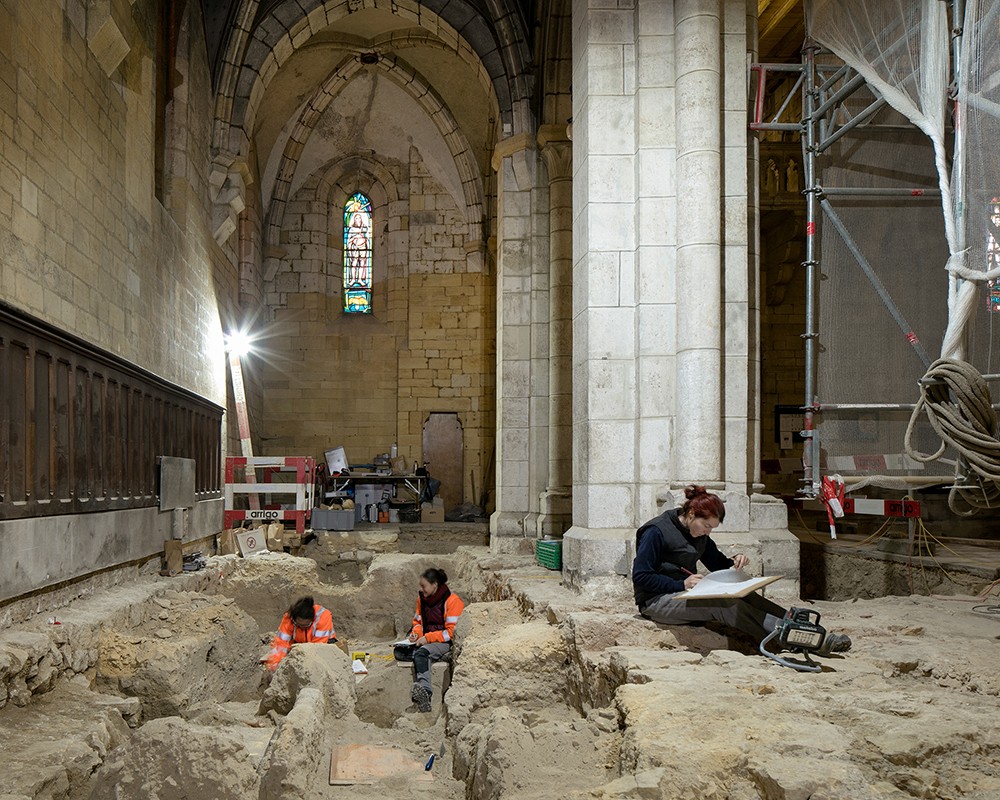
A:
x: 154, y: 691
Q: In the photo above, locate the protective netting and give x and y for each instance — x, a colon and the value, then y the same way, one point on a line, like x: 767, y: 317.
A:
x: 901, y: 48
x: 865, y: 356
x: 977, y: 171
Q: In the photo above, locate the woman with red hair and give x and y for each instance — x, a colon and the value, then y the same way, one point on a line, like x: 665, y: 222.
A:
x: 668, y: 549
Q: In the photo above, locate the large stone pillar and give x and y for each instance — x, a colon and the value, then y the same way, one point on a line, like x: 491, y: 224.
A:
x: 605, y: 346
x: 556, y: 512
x: 717, y: 421
x: 522, y: 347
x: 665, y: 345
x: 698, y: 374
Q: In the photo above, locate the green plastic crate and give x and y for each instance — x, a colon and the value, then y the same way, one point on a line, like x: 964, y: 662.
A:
x: 548, y: 553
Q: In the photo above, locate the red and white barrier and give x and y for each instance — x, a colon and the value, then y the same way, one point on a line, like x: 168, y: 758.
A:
x: 302, y: 488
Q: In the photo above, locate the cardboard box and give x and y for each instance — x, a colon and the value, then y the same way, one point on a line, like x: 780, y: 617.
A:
x: 330, y: 519
x: 173, y: 556
x: 432, y: 512
x: 274, y: 536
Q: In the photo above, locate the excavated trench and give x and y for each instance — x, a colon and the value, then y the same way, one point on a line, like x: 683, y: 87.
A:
x: 153, y: 690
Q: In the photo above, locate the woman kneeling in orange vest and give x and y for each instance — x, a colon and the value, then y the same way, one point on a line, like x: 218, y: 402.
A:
x: 304, y: 623
x: 433, y: 630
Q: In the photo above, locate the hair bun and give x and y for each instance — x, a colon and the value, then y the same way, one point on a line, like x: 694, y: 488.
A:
x: 693, y: 491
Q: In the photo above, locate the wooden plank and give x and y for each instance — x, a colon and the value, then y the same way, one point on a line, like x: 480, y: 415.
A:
x: 362, y: 764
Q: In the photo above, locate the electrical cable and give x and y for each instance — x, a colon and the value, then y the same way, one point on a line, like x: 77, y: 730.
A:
x: 842, y: 542
x: 808, y: 665
x: 969, y: 424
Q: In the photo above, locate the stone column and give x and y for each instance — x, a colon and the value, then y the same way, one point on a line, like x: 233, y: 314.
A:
x: 717, y: 405
x: 605, y: 416
x: 556, y: 501
x: 518, y: 362
x: 665, y: 344
x: 657, y: 192
x: 698, y: 378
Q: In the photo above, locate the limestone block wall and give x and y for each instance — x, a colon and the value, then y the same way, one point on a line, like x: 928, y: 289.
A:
x: 365, y: 382
x: 87, y: 245
x: 99, y: 241
x: 450, y: 365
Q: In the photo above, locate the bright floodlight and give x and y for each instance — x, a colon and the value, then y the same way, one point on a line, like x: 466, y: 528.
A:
x: 238, y: 343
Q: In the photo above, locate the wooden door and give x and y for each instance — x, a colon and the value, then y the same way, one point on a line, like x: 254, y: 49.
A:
x: 444, y: 448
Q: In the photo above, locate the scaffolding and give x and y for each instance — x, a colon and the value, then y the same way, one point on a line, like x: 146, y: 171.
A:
x: 841, y: 102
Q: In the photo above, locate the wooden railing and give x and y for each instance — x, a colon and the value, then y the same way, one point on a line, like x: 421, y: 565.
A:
x: 80, y: 429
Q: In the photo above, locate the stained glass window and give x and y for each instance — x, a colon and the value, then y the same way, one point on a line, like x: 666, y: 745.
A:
x: 358, y: 254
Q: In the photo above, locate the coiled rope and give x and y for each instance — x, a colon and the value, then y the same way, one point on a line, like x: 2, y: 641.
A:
x: 958, y: 405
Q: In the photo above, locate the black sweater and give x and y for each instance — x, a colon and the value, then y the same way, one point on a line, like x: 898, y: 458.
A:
x: 663, y: 550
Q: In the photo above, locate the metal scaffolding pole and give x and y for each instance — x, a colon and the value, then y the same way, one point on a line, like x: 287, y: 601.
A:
x: 876, y: 283
x: 810, y: 448
x: 823, y: 96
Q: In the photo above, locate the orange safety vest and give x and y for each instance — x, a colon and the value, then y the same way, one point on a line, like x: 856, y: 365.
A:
x: 320, y: 632
x: 453, y: 607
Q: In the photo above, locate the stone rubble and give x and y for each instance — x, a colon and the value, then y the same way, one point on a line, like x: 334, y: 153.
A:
x: 552, y: 693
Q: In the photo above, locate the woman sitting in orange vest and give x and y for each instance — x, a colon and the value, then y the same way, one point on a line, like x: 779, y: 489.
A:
x: 433, y: 630
x: 305, y: 622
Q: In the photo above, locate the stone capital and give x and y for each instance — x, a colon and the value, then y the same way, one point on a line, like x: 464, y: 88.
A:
x: 558, y: 155
x: 552, y: 134
x: 511, y: 146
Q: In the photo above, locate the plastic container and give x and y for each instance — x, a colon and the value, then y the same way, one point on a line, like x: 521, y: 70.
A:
x: 330, y: 519
x: 409, y: 515
x: 548, y: 553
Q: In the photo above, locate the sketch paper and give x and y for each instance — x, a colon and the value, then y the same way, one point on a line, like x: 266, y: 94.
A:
x: 726, y: 583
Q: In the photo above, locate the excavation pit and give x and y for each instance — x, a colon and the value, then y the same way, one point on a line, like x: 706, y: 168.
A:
x: 153, y: 689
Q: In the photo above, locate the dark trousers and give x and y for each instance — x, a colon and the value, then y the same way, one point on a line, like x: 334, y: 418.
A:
x: 754, y: 615
x: 423, y: 657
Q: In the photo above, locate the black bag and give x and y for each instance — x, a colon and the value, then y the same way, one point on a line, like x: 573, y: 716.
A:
x: 403, y: 652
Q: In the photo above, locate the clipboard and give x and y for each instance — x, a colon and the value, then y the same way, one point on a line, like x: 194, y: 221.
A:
x: 726, y: 583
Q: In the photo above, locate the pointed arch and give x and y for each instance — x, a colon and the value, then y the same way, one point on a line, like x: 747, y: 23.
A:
x: 408, y: 79
x: 257, y: 49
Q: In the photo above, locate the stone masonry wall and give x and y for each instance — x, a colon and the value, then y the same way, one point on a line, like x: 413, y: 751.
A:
x: 86, y: 245
x: 365, y: 382
x: 94, y: 242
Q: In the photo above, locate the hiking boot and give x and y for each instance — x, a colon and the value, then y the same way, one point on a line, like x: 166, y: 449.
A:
x: 835, y: 643
x: 420, y: 696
